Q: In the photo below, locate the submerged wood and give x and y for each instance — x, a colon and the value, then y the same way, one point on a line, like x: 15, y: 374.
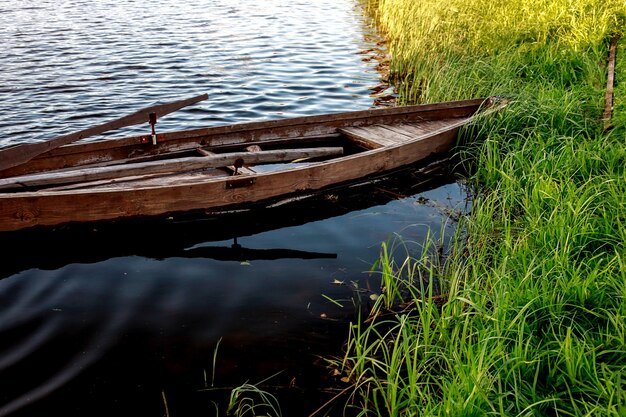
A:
x: 121, y: 178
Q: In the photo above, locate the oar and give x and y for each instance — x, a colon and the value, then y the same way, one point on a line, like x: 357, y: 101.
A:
x: 19, y: 154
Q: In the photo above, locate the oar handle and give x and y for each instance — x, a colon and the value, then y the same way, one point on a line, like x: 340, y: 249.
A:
x: 20, y: 154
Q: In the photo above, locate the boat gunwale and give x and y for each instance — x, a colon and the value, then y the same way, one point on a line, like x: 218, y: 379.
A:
x: 24, y: 210
x: 367, y: 153
x: 103, y: 144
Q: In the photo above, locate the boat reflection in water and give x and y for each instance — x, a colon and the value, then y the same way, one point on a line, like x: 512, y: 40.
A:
x: 166, y: 237
x: 111, y: 318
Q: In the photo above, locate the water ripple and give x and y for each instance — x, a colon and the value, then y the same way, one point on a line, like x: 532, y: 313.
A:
x: 121, y: 56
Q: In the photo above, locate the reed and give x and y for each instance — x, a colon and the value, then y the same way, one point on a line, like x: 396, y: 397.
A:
x: 249, y: 400
x: 530, y: 317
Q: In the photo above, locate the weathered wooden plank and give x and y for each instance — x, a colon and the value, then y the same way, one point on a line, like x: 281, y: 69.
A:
x: 419, y: 129
x: 166, y: 166
x: 375, y: 136
x: 400, y: 130
x: 129, y: 154
x: 167, y: 179
x: 19, y: 154
x: 360, y: 137
x: 383, y: 134
x: 415, y: 130
x: 143, y: 181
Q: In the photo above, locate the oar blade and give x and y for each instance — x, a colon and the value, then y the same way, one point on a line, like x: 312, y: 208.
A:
x: 20, y: 154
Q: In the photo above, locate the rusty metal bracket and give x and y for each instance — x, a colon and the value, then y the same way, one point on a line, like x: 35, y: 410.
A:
x: 240, y: 183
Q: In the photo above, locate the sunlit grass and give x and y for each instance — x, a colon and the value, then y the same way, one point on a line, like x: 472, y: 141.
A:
x: 531, y: 315
x: 463, y: 48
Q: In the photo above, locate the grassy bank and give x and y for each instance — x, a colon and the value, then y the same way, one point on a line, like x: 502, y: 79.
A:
x: 532, y: 316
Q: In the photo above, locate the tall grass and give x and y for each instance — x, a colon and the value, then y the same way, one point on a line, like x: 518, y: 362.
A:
x: 469, y: 48
x: 533, y: 317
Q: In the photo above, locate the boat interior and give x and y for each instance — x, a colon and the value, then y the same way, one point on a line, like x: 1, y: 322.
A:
x: 198, y: 160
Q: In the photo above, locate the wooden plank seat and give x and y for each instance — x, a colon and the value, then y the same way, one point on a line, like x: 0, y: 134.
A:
x: 380, y: 135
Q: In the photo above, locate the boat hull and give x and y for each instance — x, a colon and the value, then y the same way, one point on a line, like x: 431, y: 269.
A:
x: 26, y: 209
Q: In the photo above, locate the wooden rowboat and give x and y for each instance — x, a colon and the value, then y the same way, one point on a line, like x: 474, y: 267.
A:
x: 223, y: 166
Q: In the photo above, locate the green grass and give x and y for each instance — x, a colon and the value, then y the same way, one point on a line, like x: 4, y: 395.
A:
x: 533, y: 316
x: 468, y: 48
x: 248, y: 400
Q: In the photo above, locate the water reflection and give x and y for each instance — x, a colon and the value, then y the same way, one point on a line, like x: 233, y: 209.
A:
x: 186, y: 235
x: 96, y: 307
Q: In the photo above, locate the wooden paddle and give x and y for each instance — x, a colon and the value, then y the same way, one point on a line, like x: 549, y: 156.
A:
x: 20, y: 154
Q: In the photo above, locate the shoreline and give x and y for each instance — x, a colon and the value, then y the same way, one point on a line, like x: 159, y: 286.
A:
x: 531, y: 315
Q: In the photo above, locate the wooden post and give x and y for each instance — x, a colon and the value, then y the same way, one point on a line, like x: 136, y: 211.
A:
x: 608, y: 97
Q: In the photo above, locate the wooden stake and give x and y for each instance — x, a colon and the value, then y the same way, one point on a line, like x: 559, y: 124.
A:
x: 608, y: 98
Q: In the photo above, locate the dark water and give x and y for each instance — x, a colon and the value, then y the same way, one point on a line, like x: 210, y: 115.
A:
x: 111, y: 319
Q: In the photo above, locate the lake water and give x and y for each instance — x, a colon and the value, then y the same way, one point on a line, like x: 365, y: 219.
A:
x: 113, y: 320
